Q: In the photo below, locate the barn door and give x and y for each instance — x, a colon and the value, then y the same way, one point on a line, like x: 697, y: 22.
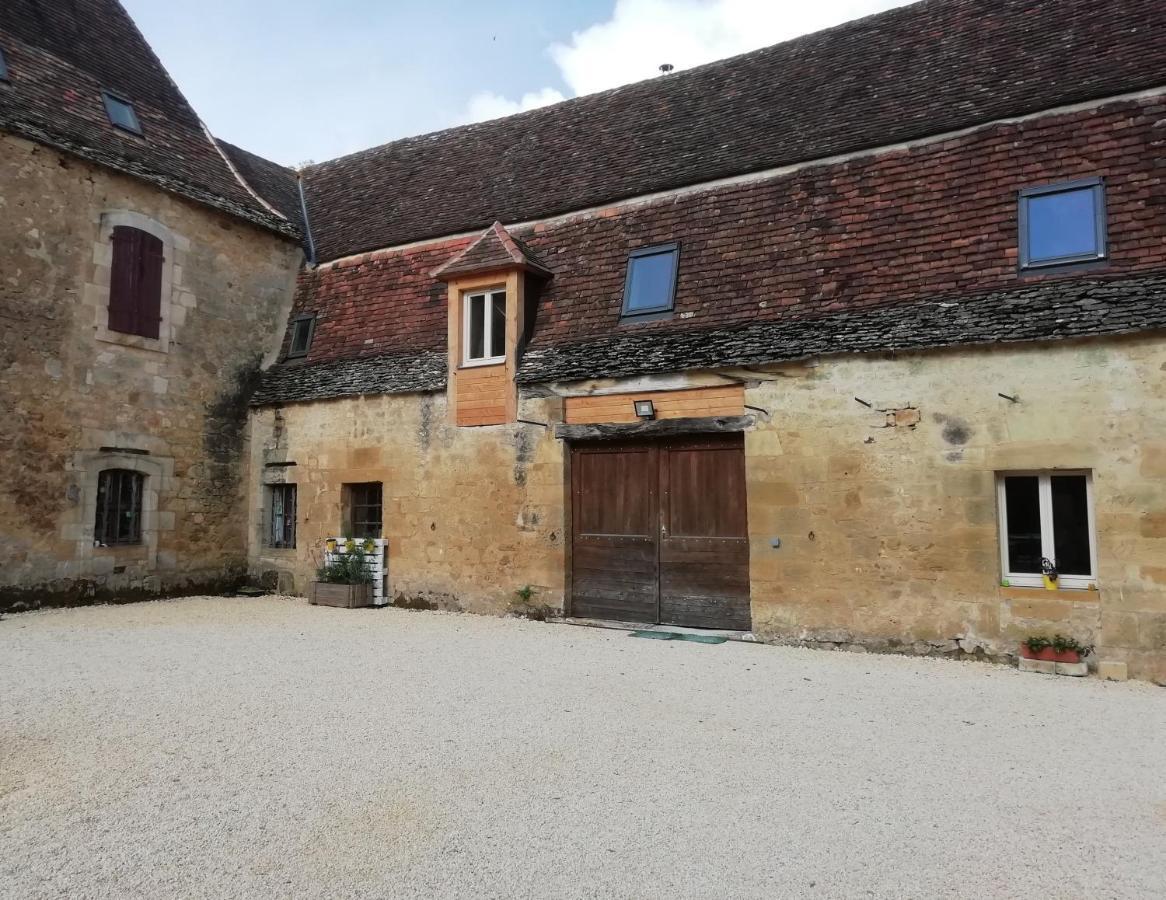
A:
x: 704, y: 543
x: 659, y: 532
x: 615, y: 515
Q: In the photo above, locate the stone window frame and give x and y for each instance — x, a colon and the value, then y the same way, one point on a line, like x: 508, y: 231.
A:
x: 80, y: 528
x: 1024, y: 579
x: 175, y: 300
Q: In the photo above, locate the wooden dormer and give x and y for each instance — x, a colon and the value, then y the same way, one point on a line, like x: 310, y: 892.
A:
x: 487, y: 286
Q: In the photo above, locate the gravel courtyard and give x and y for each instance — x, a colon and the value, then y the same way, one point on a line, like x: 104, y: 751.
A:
x: 213, y: 747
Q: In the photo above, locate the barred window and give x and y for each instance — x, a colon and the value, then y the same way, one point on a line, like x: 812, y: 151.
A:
x: 119, y: 508
x: 281, y: 504
x: 362, y: 517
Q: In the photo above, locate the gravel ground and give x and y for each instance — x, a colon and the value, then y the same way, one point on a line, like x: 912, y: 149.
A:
x: 213, y: 747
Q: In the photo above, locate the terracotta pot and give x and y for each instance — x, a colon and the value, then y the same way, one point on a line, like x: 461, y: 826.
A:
x: 1051, y: 655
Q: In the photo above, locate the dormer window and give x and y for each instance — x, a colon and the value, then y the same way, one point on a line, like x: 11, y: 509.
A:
x: 1061, y: 224
x: 302, y: 331
x: 650, y: 287
x: 485, y: 328
x: 3, y: 66
x: 121, y: 113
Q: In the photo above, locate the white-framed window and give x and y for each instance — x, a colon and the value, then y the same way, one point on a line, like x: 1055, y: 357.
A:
x: 484, y: 328
x: 1047, y: 516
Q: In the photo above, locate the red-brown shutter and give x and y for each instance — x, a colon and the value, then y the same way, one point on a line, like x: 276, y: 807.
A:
x: 150, y: 286
x: 123, y: 280
x: 135, y: 283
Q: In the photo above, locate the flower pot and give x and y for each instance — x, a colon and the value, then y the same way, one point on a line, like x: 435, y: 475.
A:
x: 1051, y: 655
x: 346, y: 596
x: 1049, y: 583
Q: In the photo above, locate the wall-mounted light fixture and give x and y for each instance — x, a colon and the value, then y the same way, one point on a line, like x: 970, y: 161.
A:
x: 644, y: 409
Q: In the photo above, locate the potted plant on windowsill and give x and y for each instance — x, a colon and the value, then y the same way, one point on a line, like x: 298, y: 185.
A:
x: 1058, y: 649
x: 344, y: 580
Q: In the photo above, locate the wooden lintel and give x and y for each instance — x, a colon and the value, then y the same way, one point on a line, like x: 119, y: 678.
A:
x: 655, y: 428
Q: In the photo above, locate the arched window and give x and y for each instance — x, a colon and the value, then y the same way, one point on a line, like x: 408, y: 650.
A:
x: 135, y: 283
x: 119, y: 508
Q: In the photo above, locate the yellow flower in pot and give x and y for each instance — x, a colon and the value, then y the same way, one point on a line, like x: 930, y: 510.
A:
x: 330, y: 545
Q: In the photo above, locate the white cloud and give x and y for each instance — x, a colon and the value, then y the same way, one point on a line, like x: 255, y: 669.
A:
x: 643, y: 34
x: 488, y: 105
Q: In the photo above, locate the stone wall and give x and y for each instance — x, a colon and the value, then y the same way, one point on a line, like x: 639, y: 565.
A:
x: 471, y: 514
x: 78, y: 398
x: 887, y: 514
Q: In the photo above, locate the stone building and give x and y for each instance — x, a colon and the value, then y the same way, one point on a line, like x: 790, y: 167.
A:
x: 140, y: 281
x: 845, y: 341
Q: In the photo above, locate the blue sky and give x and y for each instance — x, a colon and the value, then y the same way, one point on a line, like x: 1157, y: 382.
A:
x: 299, y: 80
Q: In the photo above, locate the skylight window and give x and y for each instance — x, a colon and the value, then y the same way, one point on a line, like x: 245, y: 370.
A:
x: 1062, y: 224
x: 3, y: 66
x: 121, y: 113
x: 650, y: 286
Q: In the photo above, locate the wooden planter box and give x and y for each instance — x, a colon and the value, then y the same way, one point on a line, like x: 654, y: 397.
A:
x: 348, y: 596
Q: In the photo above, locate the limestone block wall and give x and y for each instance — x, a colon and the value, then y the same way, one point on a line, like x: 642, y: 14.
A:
x: 887, y: 513
x: 471, y: 514
x: 77, y: 397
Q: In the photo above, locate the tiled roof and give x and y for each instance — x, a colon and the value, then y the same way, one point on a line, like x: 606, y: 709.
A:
x: 276, y: 184
x: 495, y: 249
x: 291, y: 383
x: 928, y: 68
x: 1054, y: 310
x: 63, y: 53
x: 1048, y: 311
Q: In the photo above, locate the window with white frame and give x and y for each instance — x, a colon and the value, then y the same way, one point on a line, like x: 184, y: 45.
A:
x: 1047, y: 516
x: 484, y: 327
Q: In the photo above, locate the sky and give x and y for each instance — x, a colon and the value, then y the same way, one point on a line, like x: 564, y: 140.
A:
x: 308, y: 80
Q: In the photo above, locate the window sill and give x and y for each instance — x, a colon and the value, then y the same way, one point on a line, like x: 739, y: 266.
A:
x: 1031, y: 593
x: 483, y: 363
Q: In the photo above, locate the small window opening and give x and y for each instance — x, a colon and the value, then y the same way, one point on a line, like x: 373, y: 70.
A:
x: 281, y: 523
x: 362, y: 513
x: 1047, y: 517
x: 1062, y: 224
x: 303, y: 329
x: 650, y: 286
x: 119, y: 508
x: 121, y: 113
x: 3, y: 66
x: 485, y: 328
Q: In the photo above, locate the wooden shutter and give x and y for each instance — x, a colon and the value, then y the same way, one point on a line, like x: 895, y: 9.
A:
x: 135, y: 284
x: 150, y: 286
x: 123, y: 281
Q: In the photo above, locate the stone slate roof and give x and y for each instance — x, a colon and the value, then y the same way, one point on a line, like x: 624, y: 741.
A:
x: 1052, y: 310
x: 919, y: 70
x: 400, y: 374
x: 495, y: 249
x: 1046, y: 311
x: 276, y: 184
x: 62, y: 53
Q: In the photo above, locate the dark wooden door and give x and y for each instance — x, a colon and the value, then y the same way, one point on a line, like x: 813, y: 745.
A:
x: 660, y: 532
x: 615, y: 513
x: 704, y: 543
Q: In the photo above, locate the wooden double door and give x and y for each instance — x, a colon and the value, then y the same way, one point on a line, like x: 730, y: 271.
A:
x: 660, y: 532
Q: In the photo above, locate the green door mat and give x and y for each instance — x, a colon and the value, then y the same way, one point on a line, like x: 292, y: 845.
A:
x: 677, y: 636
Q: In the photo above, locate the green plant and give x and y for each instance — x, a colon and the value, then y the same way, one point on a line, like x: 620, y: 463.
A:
x: 1062, y: 643
x: 524, y: 593
x: 345, y: 568
x: 1059, y: 642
